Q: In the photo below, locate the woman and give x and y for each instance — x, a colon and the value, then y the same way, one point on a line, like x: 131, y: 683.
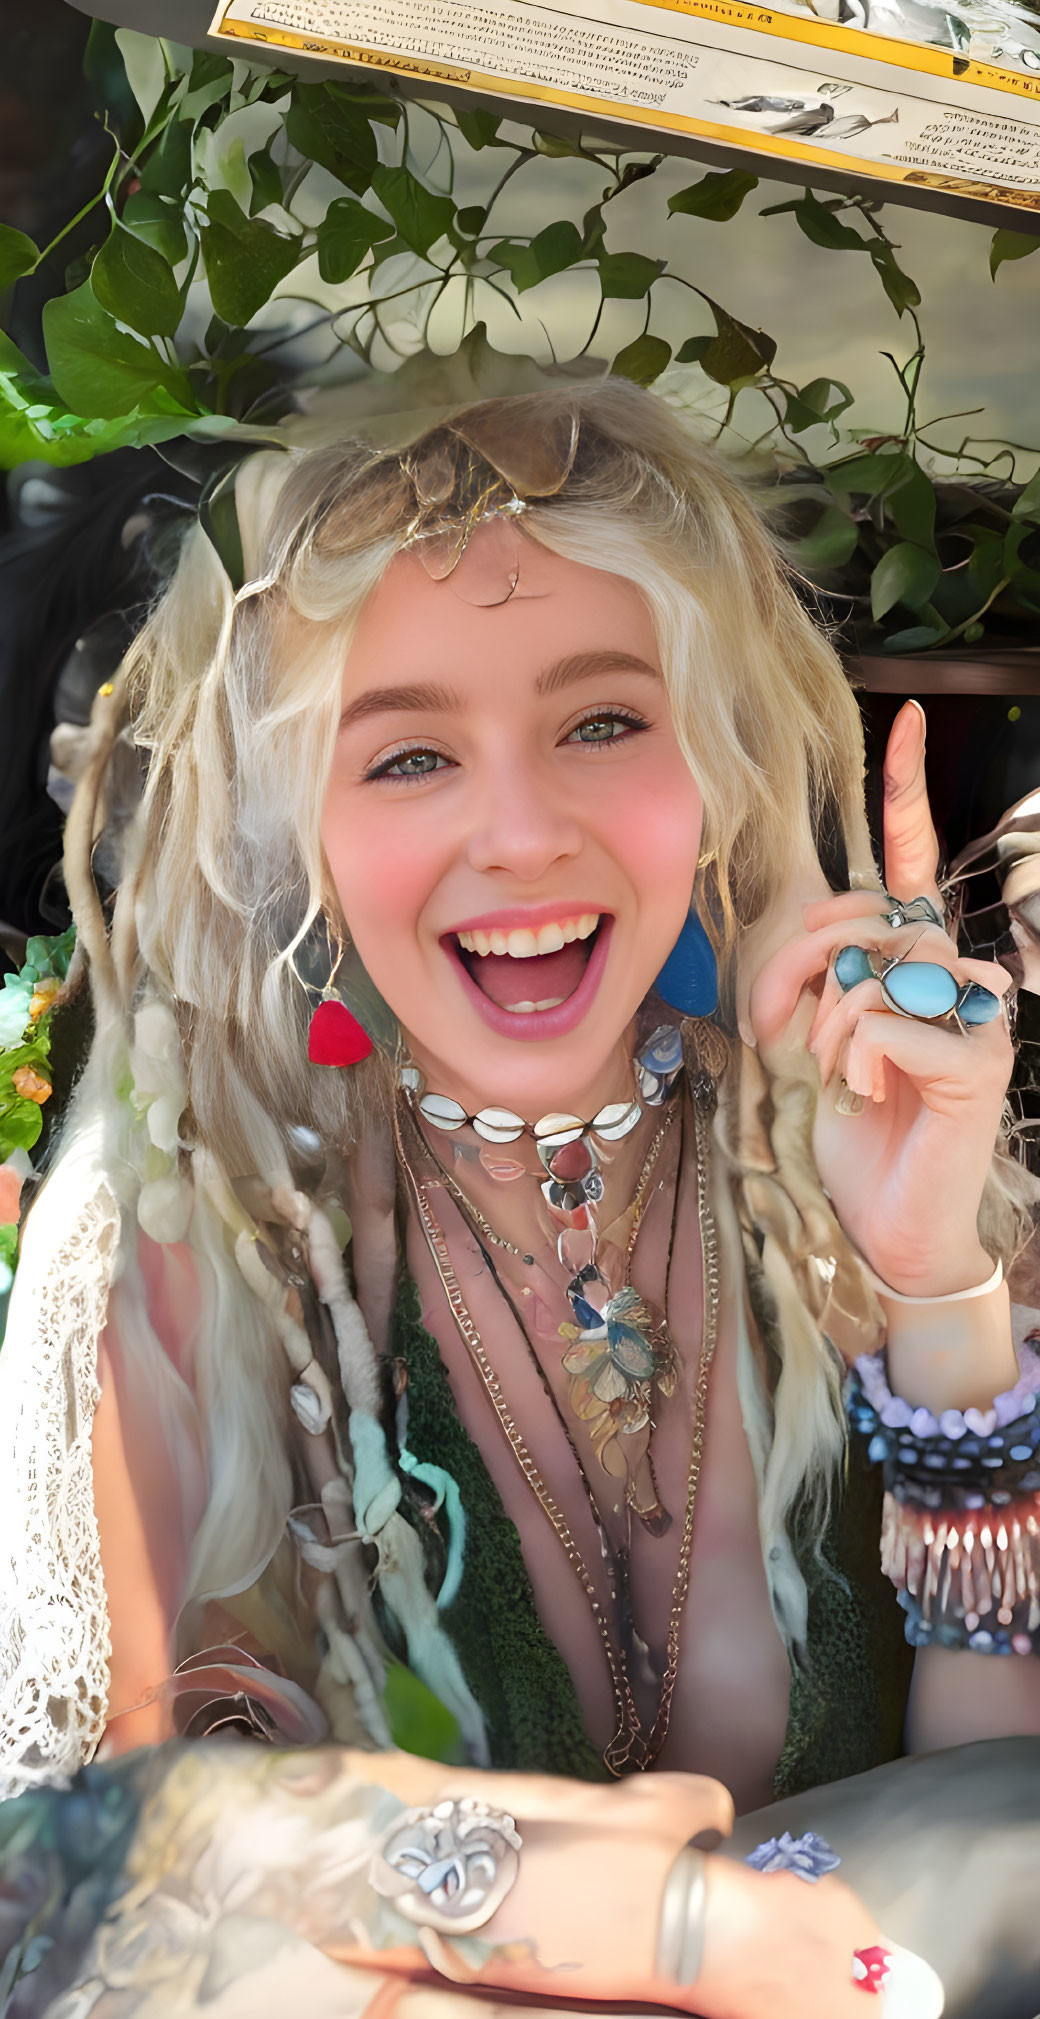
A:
x: 517, y: 755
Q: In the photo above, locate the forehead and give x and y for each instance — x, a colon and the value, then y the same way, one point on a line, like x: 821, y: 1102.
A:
x: 412, y: 622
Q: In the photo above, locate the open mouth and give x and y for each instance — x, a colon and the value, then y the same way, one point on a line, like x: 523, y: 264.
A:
x: 533, y: 982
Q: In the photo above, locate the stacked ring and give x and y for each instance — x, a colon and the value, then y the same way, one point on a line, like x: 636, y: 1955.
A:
x: 921, y: 989
x: 918, y: 911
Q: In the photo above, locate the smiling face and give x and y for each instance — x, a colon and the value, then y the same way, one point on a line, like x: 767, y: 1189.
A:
x: 511, y: 825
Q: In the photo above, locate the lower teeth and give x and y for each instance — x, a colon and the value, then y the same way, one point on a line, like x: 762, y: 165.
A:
x: 526, y: 1009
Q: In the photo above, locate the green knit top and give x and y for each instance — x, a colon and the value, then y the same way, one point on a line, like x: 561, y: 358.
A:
x: 848, y: 1691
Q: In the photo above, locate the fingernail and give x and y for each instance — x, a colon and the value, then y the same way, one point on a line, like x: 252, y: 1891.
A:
x: 911, y: 1989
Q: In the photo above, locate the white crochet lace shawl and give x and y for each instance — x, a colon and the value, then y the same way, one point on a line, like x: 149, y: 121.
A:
x: 54, y: 1634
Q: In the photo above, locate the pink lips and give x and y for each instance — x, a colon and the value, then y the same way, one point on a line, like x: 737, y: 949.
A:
x: 537, y: 1026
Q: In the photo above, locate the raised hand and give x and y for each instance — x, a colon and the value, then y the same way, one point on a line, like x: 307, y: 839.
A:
x: 909, y: 1110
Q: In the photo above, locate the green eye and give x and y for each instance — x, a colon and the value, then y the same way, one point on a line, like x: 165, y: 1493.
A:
x: 408, y: 764
x: 598, y: 731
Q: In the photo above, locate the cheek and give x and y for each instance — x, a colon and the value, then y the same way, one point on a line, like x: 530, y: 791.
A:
x: 658, y: 838
x: 383, y: 876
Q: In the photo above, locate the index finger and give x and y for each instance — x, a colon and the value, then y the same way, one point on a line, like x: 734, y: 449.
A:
x: 910, y: 841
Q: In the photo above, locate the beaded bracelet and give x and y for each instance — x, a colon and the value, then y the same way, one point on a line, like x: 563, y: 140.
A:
x: 960, y: 1534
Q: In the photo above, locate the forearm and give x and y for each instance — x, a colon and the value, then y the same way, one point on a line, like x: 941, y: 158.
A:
x: 958, y: 1697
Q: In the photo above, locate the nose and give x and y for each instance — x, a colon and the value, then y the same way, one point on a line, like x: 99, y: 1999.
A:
x: 522, y: 824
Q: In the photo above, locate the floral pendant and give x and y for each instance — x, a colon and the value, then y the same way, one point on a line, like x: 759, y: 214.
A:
x: 615, y: 1361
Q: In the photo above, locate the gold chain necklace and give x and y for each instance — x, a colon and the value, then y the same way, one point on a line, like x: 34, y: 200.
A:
x: 632, y: 1746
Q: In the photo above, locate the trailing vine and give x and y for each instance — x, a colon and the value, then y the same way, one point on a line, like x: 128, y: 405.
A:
x: 233, y: 195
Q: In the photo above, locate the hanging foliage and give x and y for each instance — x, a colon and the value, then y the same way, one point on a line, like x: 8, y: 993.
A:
x: 207, y: 219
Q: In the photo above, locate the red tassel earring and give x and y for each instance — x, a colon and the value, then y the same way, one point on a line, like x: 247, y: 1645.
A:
x: 335, y: 1038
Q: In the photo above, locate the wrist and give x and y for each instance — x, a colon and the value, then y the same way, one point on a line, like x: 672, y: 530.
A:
x: 961, y: 1271
x: 951, y: 1351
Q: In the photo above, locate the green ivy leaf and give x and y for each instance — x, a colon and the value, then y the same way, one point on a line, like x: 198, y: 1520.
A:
x: 145, y: 69
x: 736, y: 352
x: 478, y: 128
x: 167, y: 171
x: 325, y: 126
x: 829, y: 545
x: 902, y: 292
x: 874, y: 475
x: 20, y: 1125
x: 266, y: 178
x: 717, y: 196
x: 346, y: 233
x: 644, y: 360
x: 906, y: 574
x: 470, y: 221
x: 1027, y: 506
x: 692, y: 351
x: 245, y: 258
x: 99, y: 369
x: 912, y: 506
x: 815, y: 403
x: 420, y: 215
x: 554, y: 249
x: 1010, y: 245
x: 134, y: 283
x: 916, y: 638
x: 18, y: 255
x: 627, y: 276
x: 819, y: 397
x: 158, y: 222
x: 593, y: 232
x: 820, y: 224
x: 211, y: 79
x: 558, y: 149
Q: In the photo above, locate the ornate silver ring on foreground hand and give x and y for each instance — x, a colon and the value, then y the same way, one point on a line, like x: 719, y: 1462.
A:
x: 448, y: 1868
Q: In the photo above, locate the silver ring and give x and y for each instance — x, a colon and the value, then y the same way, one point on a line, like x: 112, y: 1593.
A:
x: 680, y: 1940
x: 916, y: 911
x: 448, y: 1868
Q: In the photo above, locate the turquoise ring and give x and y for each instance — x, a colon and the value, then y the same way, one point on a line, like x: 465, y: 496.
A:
x: 921, y: 989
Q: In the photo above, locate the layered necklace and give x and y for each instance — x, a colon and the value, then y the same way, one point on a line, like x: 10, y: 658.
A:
x: 617, y: 1354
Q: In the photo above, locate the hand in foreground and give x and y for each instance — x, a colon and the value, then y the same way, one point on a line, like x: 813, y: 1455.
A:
x: 582, y: 1920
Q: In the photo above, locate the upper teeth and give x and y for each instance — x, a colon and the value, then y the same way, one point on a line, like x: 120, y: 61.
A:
x: 524, y: 943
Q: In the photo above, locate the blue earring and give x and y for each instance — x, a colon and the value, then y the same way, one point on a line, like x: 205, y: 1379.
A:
x: 689, y: 979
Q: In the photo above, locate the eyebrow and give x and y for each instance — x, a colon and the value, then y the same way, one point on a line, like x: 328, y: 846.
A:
x: 425, y: 697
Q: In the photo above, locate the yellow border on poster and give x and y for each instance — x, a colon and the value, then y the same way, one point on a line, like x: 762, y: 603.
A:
x: 703, y: 129
x: 956, y: 70
x: 910, y: 56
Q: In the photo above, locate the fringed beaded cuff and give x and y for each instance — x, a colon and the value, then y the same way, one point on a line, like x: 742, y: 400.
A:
x: 960, y: 1535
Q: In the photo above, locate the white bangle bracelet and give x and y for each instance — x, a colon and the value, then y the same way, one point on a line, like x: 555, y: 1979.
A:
x: 951, y: 1296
